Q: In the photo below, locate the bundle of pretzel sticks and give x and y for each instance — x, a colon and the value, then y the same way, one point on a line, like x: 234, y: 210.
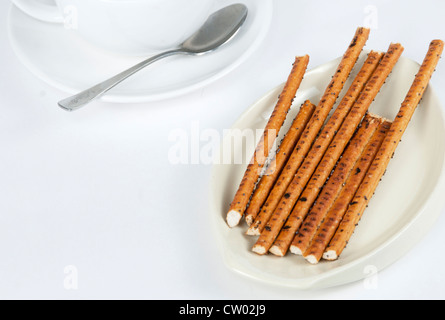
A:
x: 315, y: 188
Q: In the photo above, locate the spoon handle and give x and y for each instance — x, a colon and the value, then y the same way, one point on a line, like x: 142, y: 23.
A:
x: 81, y: 99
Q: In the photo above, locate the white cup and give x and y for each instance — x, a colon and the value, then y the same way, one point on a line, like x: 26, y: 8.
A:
x: 133, y: 27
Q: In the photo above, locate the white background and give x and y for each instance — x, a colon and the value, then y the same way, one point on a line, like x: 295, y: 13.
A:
x: 94, y: 189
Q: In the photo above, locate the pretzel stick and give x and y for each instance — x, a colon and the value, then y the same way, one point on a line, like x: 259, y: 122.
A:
x: 330, y: 190
x: 385, y: 153
x: 314, y: 251
x: 262, y: 150
x: 330, y: 158
x: 274, y: 168
x: 312, y: 130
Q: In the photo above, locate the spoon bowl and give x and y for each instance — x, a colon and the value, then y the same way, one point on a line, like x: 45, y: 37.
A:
x: 219, y: 28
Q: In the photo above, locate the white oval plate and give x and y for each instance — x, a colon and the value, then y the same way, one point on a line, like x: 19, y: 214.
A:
x: 407, y: 201
x: 63, y: 60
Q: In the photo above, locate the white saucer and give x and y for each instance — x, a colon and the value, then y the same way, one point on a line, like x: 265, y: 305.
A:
x: 57, y: 56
